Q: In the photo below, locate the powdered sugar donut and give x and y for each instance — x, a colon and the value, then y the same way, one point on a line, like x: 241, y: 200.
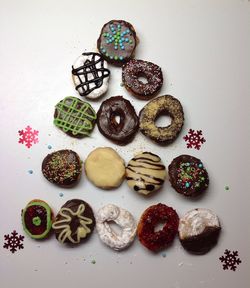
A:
x: 91, y: 75
x: 123, y: 218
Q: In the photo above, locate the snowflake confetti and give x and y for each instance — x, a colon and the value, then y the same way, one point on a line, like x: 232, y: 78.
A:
x: 230, y: 260
x: 194, y: 139
x: 28, y: 136
x: 13, y: 241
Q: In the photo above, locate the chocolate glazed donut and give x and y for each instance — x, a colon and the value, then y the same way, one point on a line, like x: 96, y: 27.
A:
x: 121, y: 132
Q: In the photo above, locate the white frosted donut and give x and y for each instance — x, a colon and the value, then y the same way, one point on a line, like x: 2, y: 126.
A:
x: 123, y: 218
x: 90, y: 75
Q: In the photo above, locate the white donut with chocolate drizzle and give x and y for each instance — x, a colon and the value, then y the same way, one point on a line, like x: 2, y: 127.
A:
x: 91, y: 75
x: 112, y: 213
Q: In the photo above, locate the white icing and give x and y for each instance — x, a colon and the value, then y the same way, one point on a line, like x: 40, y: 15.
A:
x: 64, y: 224
x: 96, y: 93
x: 195, y: 221
x: 123, y: 219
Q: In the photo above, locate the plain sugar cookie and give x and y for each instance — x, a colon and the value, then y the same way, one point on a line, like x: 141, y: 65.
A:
x: 105, y: 168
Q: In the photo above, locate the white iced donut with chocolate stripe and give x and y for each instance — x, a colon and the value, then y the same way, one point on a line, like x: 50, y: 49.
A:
x: 199, y: 230
x: 145, y: 173
x: 91, y: 75
x: 123, y: 218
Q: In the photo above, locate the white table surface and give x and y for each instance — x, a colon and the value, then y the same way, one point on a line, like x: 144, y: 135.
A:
x: 203, y: 49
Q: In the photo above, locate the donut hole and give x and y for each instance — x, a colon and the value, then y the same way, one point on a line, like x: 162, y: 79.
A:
x: 159, y: 226
x: 163, y: 119
x: 142, y: 78
x: 115, y: 227
x: 118, y: 119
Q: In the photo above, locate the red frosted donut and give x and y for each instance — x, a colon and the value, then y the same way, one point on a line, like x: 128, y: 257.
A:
x: 157, y: 214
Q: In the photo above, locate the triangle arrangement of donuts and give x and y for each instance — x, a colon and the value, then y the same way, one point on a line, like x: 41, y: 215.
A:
x: 198, y: 230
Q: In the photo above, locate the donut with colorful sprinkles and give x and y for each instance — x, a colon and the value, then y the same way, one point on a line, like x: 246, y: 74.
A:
x: 188, y: 175
x: 117, y: 42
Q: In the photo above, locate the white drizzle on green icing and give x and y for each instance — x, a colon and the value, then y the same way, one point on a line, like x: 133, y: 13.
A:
x: 64, y: 224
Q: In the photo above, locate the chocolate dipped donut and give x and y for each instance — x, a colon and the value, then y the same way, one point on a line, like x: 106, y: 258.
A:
x: 90, y: 75
x: 74, y: 117
x: 74, y: 223
x: 151, y: 217
x: 121, y: 132
x: 145, y: 173
x: 162, y: 105
x: 62, y: 168
x: 117, y: 41
x: 133, y: 69
x: 188, y: 175
x: 37, y: 219
x: 199, y: 230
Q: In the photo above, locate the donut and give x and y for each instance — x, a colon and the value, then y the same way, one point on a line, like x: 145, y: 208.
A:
x: 74, y: 222
x: 90, y: 75
x: 151, y: 217
x: 117, y: 42
x: 121, y: 132
x: 105, y: 168
x: 167, y: 105
x: 123, y: 218
x: 62, y: 168
x: 199, y: 230
x: 74, y: 117
x: 37, y: 219
x: 145, y: 173
x: 133, y: 69
x: 188, y: 175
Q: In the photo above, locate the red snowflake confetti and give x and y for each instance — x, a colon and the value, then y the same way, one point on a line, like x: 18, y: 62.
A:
x: 28, y: 136
x: 230, y: 260
x: 13, y: 241
x: 194, y: 139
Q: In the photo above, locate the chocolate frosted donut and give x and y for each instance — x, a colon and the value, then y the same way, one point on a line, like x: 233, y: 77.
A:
x: 163, y: 105
x: 62, y: 168
x: 134, y: 69
x: 199, y: 230
x: 74, y: 117
x: 188, y: 176
x: 37, y: 219
x: 145, y: 173
x: 120, y: 132
x: 156, y: 214
x: 74, y: 223
x: 117, y: 41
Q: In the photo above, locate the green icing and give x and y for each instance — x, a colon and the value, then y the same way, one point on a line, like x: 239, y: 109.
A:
x: 75, y: 116
x: 49, y: 221
x: 36, y: 221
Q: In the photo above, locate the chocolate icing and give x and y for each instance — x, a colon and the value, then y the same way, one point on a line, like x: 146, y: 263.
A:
x: 62, y: 167
x: 121, y: 50
x: 123, y: 132
x: 188, y: 176
x: 66, y: 219
x: 134, y: 69
x: 90, y: 68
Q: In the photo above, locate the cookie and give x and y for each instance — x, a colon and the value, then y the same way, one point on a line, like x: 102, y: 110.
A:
x: 62, y: 168
x: 75, y: 117
x: 74, y: 223
x: 91, y: 75
x: 37, y: 219
x: 145, y: 173
x: 131, y: 73
x: 199, y: 230
x: 121, y: 132
x: 188, y: 175
x: 162, y: 105
x: 105, y: 168
x: 117, y: 42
